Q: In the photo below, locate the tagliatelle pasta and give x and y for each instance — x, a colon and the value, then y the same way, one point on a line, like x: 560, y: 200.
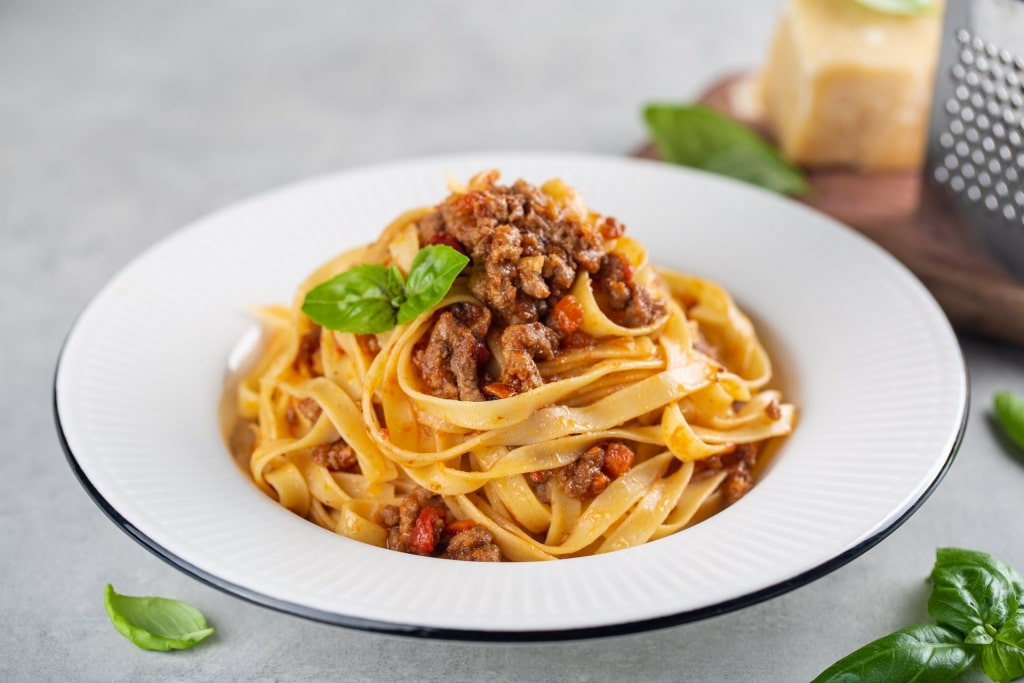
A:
x: 565, y: 396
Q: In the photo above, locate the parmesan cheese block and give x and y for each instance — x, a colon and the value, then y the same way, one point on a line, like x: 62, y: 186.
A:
x: 849, y: 86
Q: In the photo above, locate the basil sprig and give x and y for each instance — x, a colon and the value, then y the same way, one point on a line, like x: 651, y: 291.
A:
x: 370, y: 299
x: 156, y: 623
x: 700, y: 137
x: 904, y: 7
x: 976, y: 604
x: 1009, y: 412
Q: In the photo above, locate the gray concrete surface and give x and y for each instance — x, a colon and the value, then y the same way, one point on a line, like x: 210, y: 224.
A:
x: 121, y: 121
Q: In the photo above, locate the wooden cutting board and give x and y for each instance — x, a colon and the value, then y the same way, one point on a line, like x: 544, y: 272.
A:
x: 907, y: 216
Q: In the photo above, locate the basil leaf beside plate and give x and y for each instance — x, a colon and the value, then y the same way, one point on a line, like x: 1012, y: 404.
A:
x: 699, y: 137
x: 971, y: 589
x: 1009, y: 411
x: 1003, y: 659
x: 923, y: 654
x: 156, y: 623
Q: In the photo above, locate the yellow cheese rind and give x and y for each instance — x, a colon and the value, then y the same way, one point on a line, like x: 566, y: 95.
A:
x: 848, y: 86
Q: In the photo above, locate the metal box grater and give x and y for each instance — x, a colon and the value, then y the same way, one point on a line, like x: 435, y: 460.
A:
x: 976, y: 141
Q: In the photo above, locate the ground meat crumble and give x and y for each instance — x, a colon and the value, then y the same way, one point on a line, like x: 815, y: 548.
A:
x: 737, y: 464
x: 422, y: 525
x: 525, y: 253
x: 590, y: 474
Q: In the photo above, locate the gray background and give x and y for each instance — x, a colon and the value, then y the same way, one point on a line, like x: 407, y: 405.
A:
x: 121, y: 121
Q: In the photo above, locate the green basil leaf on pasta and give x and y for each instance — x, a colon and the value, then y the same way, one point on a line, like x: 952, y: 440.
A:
x: 154, y: 623
x: 1009, y: 410
x: 922, y: 654
x: 430, y: 277
x: 971, y: 589
x: 700, y: 137
x: 362, y: 300
x: 1003, y: 658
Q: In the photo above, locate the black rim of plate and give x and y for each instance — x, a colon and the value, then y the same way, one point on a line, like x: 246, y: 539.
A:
x: 437, y: 633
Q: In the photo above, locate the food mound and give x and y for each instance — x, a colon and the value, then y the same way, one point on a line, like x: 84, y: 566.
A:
x: 505, y: 376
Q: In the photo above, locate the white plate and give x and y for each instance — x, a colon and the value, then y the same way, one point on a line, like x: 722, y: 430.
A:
x: 860, y: 347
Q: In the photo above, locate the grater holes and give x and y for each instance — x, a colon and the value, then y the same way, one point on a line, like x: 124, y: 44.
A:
x: 985, y: 106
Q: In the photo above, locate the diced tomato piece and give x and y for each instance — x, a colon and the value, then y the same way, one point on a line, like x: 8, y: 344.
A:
x: 499, y: 390
x: 618, y: 458
x: 424, y: 534
x: 460, y: 525
x: 610, y: 228
x: 568, y: 314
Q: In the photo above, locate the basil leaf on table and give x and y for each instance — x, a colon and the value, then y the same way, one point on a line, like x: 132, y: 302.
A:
x: 1009, y: 410
x: 362, y: 300
x: 923, y: 654
x: 1003, y: 659
x: 899, y: 6
x: 971, y: 589
x: 431, y: 275
x: 156, y: 623
x: 700, y: 137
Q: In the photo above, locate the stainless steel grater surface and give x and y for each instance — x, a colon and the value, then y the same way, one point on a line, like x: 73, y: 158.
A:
x: 976, y: 143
